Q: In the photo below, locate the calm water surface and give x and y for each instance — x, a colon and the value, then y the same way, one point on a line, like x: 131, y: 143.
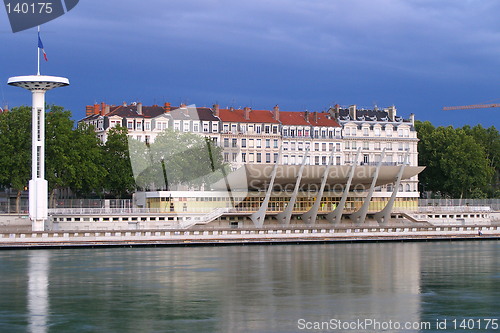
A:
x: 249, y: 288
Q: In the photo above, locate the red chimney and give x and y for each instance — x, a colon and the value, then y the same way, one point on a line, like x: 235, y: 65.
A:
x: 276, y: 112
x: 96, y: 109
x: 166, y: 107
x: 89, y: 110
x: 306, y: 115
x: 215, y: 110
x: 247, y: 112
x: 104, y: 109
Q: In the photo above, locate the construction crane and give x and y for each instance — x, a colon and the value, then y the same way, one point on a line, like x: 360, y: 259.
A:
x: 468, y: 107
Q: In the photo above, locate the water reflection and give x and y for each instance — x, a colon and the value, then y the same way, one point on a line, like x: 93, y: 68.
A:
x: 38, y: 293
x: 245, y: 288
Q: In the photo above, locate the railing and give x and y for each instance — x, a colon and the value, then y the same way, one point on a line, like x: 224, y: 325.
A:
x: 494, y: 204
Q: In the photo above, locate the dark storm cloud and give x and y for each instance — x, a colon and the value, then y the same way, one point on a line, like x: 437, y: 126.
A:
x: 417, y: 54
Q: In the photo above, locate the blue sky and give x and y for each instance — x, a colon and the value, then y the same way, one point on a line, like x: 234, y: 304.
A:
x: 418, y: 55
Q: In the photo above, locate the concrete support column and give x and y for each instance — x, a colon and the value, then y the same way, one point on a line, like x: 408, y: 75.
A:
x: 310, y: 216
x: 360, y: 215
x: 259, y: 216
x: 285, y: 216
x: 336, y: 215
x: 384, y: 215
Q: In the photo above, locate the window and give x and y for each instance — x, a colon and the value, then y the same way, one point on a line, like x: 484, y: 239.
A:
x: 243, y: 143
x: 354, y: 145
x: 266, y: 129
x: 285, y: 132
x: 388, y: 130
x: 235, y: 157
x: 366, y: 158
x: 338, y: 146
x: 285, y: 145
x: 244, y: 157
x: 259, y: 157
x: 293, y: 145
x: 388, y: 145
x: 250, y: 143
x: 196, y: 127
x: 323, y: 160
x: 316, y: 133
x: 258, y: 129
x: 377, y: 145
x: 366, y: 145
x: 130, y: 124
x: 275, y: 129
x: 268, y: 158
x: 138, y: 126
x: 275, y: 143
x: 316, y: 146
x: 234, y: 143
x: 177, y: 126
x: 299, y: 132
x: 276, y: 157
x: 215, y: 127
x: 259, y: 143
x: 226, y: 157
x: 323, y: 146
x: 301, y: 146
x: 268, y: 143
x: 147, y: 126
x: 205, y: 127
x: 338, y: 160
x: 377, y: 131
x: 285, y: 159
x: 316, y: 160
x: 406, y: 133
x: 251, y: 158
x: 234, y: 128
x: 226, y: 142
x: 347, y: 145
x: 306, y: 132
x: 365, y: 131
x: 185, y: 126
x: 347, y: 131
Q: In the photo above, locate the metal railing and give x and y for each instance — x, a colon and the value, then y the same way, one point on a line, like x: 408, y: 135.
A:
x: 494, y: 204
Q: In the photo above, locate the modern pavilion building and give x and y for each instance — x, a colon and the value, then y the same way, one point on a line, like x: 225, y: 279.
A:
x: 347, y: 164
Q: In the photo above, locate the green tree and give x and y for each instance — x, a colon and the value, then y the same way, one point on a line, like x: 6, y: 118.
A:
x: 15, y: 150
x: 88, y: 162
x: 60, y: 152
x: 119, y: 181
x: 456, y: 165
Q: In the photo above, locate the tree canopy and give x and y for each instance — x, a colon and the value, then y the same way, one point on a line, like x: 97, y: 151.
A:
x: 460, y: 162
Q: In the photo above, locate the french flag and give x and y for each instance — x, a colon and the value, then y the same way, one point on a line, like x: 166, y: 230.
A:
x: 40, y: 46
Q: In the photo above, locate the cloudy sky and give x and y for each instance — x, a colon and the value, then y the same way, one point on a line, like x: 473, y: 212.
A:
x: 418, y: 55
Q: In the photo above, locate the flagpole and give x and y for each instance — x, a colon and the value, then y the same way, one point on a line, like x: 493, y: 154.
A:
x: 38, y: 51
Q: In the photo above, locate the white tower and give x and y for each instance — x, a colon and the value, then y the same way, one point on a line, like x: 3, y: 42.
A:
x: 38, y: 189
